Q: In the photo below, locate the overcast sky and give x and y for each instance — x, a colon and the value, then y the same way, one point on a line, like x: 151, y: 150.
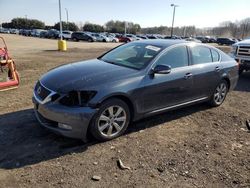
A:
x: 147, y: 13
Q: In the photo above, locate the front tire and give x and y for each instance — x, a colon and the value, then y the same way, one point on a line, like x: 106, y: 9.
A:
x: 219, y: 94
x: 75, y: 39
x: 90, y: 40
x: 111, y: 121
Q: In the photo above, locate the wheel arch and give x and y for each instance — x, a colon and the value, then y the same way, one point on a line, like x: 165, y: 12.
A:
x: 228, y: 81
x: 125, y: 98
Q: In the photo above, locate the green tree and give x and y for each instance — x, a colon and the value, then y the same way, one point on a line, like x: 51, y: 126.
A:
x: 22, y: 23
x: 119, y: 27
x: 70, y: 26
x: 93, y: 27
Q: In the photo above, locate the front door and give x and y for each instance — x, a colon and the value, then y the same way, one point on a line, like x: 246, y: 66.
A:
x: 166, y: 90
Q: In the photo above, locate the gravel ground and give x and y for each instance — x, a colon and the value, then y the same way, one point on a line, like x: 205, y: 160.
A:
x: 196, y: 146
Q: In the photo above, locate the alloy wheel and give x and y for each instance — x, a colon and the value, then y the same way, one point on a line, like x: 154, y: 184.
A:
x: 111, y: 121
x: 220, y: 93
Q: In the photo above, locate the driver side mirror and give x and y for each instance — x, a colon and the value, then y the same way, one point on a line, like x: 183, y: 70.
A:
x: 161, y: 69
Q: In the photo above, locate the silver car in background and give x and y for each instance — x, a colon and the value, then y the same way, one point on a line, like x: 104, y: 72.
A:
x: 100, y: 37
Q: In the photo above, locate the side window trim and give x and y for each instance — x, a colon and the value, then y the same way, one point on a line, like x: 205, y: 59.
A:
x: 219, y: 60
x: 189, y: 56
x: 211, y: 55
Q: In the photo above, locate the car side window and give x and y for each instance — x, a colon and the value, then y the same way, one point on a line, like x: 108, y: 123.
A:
x: 176, y: 57
x: 201, y: 54
x: 215, y: 55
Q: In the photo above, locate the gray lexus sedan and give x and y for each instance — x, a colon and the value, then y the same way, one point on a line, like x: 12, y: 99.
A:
x: 132, y: 81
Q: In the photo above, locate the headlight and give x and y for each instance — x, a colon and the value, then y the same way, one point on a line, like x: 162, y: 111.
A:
x: 234, y: 49
x: 77, y: 98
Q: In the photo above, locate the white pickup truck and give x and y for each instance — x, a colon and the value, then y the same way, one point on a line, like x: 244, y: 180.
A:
x: 241, y: 53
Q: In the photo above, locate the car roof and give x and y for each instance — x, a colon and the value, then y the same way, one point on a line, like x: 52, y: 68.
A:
x: 161, y: 42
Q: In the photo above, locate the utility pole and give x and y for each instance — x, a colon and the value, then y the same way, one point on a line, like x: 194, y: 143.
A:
x: 67, y: 14
x: 173, y: 5
x: 62, y: 46
x: 60, y: 17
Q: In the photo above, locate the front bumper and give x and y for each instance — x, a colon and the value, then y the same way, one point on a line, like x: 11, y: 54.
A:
x: 244, y: 62
x: 50, y: 114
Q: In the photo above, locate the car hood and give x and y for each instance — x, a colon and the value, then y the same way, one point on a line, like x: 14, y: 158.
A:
x: 84, y: 75
x: 244, y: 42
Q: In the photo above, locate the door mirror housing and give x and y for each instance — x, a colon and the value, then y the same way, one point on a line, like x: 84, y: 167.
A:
x: 161, y: 69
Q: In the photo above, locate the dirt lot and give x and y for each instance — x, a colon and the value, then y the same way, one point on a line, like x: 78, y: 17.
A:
x: 196, y: 146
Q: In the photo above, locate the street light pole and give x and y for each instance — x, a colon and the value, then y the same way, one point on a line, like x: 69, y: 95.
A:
x: 60, y: 16
x: 67, y: 14
x: 62, y: 46
x: 173, y: 5
x: 125, y: 27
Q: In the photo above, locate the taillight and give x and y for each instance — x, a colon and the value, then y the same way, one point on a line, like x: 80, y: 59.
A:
x: 238, y: 62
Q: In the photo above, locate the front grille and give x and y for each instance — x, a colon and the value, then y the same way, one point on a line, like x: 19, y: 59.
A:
x: 41, y: 91
x: 243, y: 51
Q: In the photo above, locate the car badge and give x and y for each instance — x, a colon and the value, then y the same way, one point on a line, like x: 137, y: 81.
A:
x: 39, y: 89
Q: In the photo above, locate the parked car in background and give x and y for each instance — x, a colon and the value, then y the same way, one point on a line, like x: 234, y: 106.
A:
x: 142, y: 36
x: 66, y: 35
x: 132, y: 37
x: 21, y: 31
x: 101, y: 37
x: 77, y: 36
x: 43, y: 34
x: 241, y: 53
x: 225, y: 41
x: 36, y: 32
x: 14, y: 31
x: 212, y: 39
x: 151, y: 37
x: 4, y: 30
x: 112, y: 37
x: 190, y: 39
x: 53, y: 33
x: 135, y: 80
x: 122, y: 38
x: 173, y: 37
x: 25, y: 32
x: 202, y: 39
x: 235, y: 40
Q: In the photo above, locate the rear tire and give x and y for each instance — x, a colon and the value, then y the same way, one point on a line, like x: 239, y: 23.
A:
x: 219, y: 94
x: 111, y: 120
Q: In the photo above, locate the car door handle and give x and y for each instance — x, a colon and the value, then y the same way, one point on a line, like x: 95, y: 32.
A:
x: 217, y: 69
x: 188, y: 75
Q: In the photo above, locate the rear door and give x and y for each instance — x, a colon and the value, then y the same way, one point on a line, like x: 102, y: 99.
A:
x: 206, y: 70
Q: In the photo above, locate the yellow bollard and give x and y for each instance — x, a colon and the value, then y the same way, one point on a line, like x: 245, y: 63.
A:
x: 62, y: 45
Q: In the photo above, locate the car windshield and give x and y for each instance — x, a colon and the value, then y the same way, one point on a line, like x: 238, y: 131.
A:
x: 132, y: 55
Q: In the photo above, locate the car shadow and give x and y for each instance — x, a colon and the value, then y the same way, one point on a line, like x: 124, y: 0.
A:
x: 23, y: 142
x: 244, y: 82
